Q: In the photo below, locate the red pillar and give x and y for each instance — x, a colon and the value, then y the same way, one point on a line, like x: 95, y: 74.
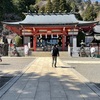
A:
x: 63, y: 38
x: 63, y: 42
x: 34, y: 42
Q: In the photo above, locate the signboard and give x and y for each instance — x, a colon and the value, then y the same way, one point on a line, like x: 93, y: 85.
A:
x: 42, y: 31
x: 26, y: 32
x: 72, y: 31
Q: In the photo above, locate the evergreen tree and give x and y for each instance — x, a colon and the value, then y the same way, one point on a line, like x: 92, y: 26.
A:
x: 74, y: 7
x: 32, y: 8
x: 88, y: 2
x: 89, y: 13
x: 78, y: 1
x: 96, y: 3
x: 69, y: 8
x: 78, y: 16
x: 36, y: 8
x: 97, y: 8
x: 48, y: 6
x: 18, y: 40
x: 21, y: 4
x: 63, y: 5
x: 55, y: 5
x: 5, y: 10
x: 16, y: 7
x: 42, y: 9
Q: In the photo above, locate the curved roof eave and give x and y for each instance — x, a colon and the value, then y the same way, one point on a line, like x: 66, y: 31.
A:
x: 50, y: 20
x: 97, y: 29
x: 83, y: 23
x: 12, y: 23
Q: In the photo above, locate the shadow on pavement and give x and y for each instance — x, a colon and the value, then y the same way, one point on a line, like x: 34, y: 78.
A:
x: 48, y: 85
x: 5, y: 64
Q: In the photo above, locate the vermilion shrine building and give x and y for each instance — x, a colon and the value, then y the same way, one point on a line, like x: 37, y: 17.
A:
x: 47, y: 29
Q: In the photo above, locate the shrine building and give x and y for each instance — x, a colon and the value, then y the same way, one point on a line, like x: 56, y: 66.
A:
x: 39, y: 30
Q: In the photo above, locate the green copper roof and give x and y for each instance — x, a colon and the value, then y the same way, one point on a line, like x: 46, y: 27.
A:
x: 53, y: 19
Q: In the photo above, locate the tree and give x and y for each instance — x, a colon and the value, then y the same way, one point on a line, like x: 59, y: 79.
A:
x: 55, y: 5
x: 18, y: 40
x: 96, y: 3
x: 21, y: 4
x: 74, y: 7
x: 78, y: 1
x: 89, y: 13
x: 42, y: 9
x: 63, y: 5
x: 36, y: 8
x: 32, y: 8
x: 88, y: 2
x: 48, y: 6
x: 78, y: 16
x: 97, y: 9
x: 5, y: 9
x: 69, y: 8
x: 80, y: 37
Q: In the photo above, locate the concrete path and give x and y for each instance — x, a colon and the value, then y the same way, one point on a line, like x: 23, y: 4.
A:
x: 43, y: 82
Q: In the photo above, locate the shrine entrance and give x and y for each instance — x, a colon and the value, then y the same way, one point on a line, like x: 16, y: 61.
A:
x: 41, y: 31
x: 45, y: 42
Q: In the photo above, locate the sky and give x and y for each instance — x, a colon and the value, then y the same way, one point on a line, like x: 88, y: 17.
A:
x: 95, y: 0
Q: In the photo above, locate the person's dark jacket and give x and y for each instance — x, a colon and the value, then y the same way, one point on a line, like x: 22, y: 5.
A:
x: 55, y: 51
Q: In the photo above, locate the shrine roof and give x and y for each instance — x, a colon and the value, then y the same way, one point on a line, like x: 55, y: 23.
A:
x: 53, y: 19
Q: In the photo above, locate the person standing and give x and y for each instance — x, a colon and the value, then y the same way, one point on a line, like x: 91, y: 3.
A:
x: 92, y: 51
x: 55, y: 53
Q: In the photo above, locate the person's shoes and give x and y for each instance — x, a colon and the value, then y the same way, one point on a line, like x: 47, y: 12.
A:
x: 55, y: 66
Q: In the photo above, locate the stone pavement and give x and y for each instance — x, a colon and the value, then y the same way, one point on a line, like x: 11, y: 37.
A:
x: 43, y: 82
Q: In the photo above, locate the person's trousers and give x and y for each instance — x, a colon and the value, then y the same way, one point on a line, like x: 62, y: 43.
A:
x: 54, y: 60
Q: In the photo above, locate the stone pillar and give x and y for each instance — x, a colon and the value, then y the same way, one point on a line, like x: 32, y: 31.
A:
x: 75, y: 51
x: 74, y: 42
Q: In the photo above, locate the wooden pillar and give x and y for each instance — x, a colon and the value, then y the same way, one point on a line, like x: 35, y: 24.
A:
x: 63, y: 43
x: 34, y: 42
x: 63, y: 38
x: 34, y: 38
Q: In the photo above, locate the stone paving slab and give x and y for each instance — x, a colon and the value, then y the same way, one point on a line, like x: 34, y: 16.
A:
x: 43, y: 82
